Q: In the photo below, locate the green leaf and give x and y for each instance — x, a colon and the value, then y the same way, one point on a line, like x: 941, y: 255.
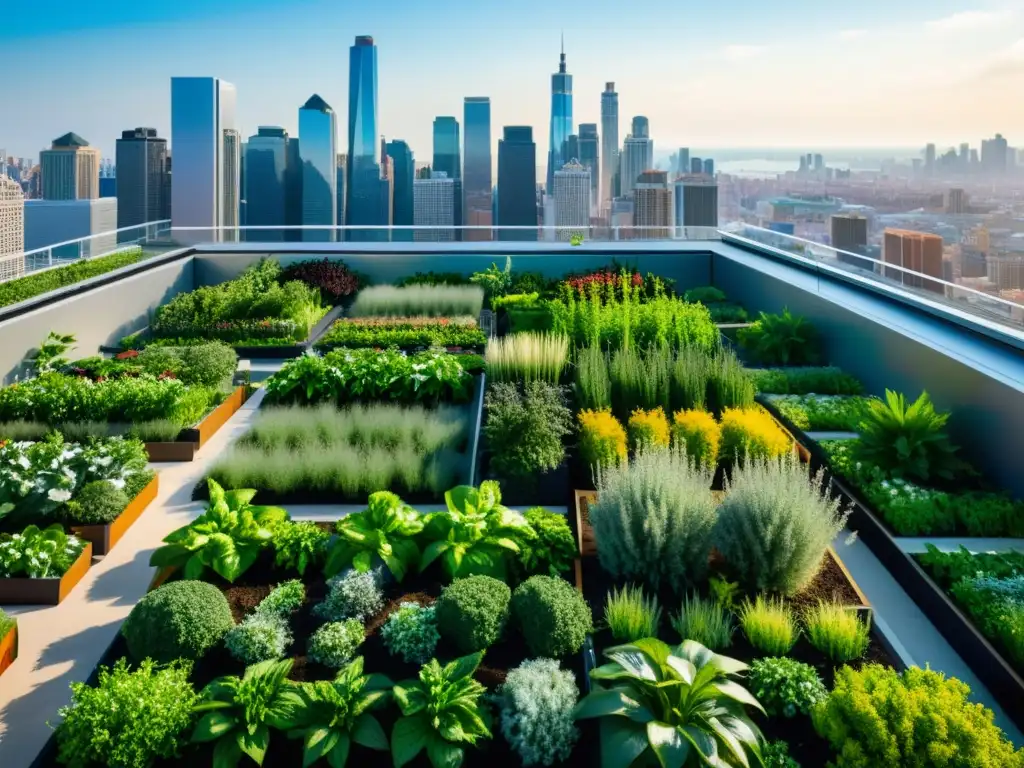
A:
x: 227, y: 753
x: 702, y: 741
x: 362, y: 561
x: 212, y: 726
x: 367, y: 732
x: 604, y: 703
x: 635, y: 660
x: 408, y: 738
x: 239, y: 498
x: 444, y: 754
x: 622, y: 742
x: 169, y: 555
x: 195, y: 567
x: 318, y: 742
x: 505, y: 543
x: 338, y: 756
x: 254, y: 744
x: 461, y: 499
x: 463, y: 667
x: 432, y: 552
x: 671, y: 749
x: 737, y: 692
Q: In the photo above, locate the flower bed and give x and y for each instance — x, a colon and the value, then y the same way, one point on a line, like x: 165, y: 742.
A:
x: 404, y: 332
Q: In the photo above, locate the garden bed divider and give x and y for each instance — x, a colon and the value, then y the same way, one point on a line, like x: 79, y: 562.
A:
x: 104, y: 537
x: 24, y: 591
x: 298, y: 349
x: 193, y: 438
x: 8, y: 648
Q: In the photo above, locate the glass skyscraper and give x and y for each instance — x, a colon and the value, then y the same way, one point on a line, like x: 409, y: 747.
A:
x: 205, y: 178
x: 476, y: 178
x: 589, y: 158
x: 266, y: 183
x: 318, y: 137
x: 517, y: 183
x: 609, y: 142
x: 363, y: 188
x: 403, y: 172
x: 561, y: 119
x: 447, y: 160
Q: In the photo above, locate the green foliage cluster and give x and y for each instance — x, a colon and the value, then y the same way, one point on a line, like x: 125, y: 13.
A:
x: 536, y: 709
x: 299, y: 545
x: 30, y: 286
x: 553, y: 548
x: 524, y: 428
x: 836, y: 631
x: 704, y: 621
x: 259, y: 637
x: 183, y: 619
x: 769, y: 625
x: 631, y: 615
x: 823, y: 413
x: 411, y: 632
x: 804, y: 380
x: 354, y: 595
x: 784, y: 339
x: 405, y: 335
x: 97, y: 503
x: 38, y: 553
x: 336, y: 642
x: 433, y: 278
x: 284, y: 599
x: 552, y: 616
x: 786, y: 686
x: 472, y: 612
x: 528, y: 356
x: 418, y: 300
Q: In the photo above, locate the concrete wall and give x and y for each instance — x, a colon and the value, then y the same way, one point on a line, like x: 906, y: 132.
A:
x: 99, y: 316
x: 886, y: 344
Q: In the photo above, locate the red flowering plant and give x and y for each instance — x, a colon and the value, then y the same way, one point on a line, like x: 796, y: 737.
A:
x: 128, y: 354
x: 331, y: 277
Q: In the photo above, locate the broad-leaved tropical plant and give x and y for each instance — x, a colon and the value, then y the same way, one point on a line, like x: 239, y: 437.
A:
x: 441, y: 712
x: 907, y: 440
x: 476, y: 534
x: 672, y: 707
x: 385, y: 529
x: 227, y: 537
x: 784, y: 339
x: 238, y: 712
x: 338, y: 713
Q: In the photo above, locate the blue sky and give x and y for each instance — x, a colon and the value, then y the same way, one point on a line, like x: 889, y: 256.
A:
x: 731, y: 73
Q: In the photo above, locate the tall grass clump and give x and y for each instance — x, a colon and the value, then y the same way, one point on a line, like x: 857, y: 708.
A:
x: 654, y: 519
x: 705, y: 621
x: 729, y: 384
x: 640, y: 379
x: 631, y: 615
x: 528, y: 357
x: 775, y: 523
x: 769, y: 625
x: 419, y: 300
x: 592, y: 383
x: 837, y: 631
x: 690, y: 373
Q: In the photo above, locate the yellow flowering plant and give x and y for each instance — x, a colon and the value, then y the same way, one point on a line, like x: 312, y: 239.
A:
x: 602, y: 438
x: 753, y: 433
x: 697, y: 432
x: 648, y: 429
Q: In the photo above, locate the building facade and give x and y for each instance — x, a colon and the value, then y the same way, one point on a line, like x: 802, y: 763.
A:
x: 696, y: 204
x: 403, y: 173
x: 561, y: 119
x: 318, y: 152
x: 590, y: 158
x: 142, y: 182
x: 266, y: 183
x: 363, y: 190
x: 477, y: 173
x: 447, y: 158
x: 434, y: 208
x: 652, y: 206
x: 919, y: 252
x: 70, y: 169
x: 48, y: 222
x: 572, y: 200
x: 849, y: 233
x: 637, y: 156
x: 517, y: 183
x: 609, y: 141
x: 12, y: 229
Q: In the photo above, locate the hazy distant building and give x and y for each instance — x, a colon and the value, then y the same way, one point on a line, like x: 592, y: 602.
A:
x: 709, y: 167
x: 48, y: 222
x: 609, y: 142
x: 929, y: 160
x: 517, y: 183
x: 447, y: 157
x: 318, y: 150
x: 956, y: 201
x: 572, y: 201
x: 477, y: 179
x: 12, y: 229
x: 637, y: 156
x: 266, y: 184
x: 696, y: 165
x: 342, y: 175
x: 434, y: 207
x: 652, y: 205
x: 70, y: 169
x: 142, y: 172
x: 995, y: 155
x: 696, y: 204
x: 403, y: 168
x: 1007, y: 273
x: 850, y: 233
x: 916, y: 251
x: 683, y: 161
x: 589, y: 157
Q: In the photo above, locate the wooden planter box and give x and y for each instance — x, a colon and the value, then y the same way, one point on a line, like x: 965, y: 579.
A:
x: 104, y: 537
x: 22, y: 591
x: 8, y: 649
x: 192, y: 439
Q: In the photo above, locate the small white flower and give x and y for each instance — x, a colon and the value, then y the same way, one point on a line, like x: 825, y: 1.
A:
x: 58, y: 494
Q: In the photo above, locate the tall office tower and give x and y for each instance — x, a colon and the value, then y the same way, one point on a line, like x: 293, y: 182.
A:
x: 342, y: 172
x: 965, y: 157
x: 709, y: 167
x: 819, y: 163
x: 477, y: 174
x: 641, y: 127
x: 233, y: 183
x: 917, y: 251
x: 956, y: 201
x: 561, y: 119
x: 266, y: 184
x: 850, y: 233
x: 590, y: 159
x: 318, y: 153
x: 71, y: 169
x: 517, y: 183
x: 141, y: 178
x: 683, y: 161
x: 572, y: 148
x: 652, y: 205
x: 363, y: 188
x: 609, y: 142
x: 403, y: 200
x: 202, y: 111
x: 929, y: 160
x: 572, y: 200
x: 167, y: 190
x: 434, y: 207
x: 12, y: 229
x: 696, y: 204
x: 637, y: 155
x: 994, y: 155
x: 696, y: 165
x: 447, y: 158
x: 386, y: 191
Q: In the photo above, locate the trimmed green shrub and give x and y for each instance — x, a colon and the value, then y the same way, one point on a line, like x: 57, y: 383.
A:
x: 335, y: 643
x: 98, y: 503
x: 536, y: 705
x: 355, y: 595
x: 472, y: 612
x: 553, y: 617
x: 183, y: 619
x: 411, y: 632
x: 261, y: 637
x: 786, y: 686
x: 24, y: 288
x: 553, y: 549
x: 283, y: 600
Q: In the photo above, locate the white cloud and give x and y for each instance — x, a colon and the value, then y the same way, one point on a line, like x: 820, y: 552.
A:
x: 1009, y: 60
x: 966, y: 21
x: 742, y: 52
x: 852, y: 34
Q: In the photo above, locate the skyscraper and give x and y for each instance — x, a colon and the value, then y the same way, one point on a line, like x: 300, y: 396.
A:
x: 696, y: 165
x: 709, y: 167
x: 609, y: 140
x: 232, y: 198
x: 919, y: 252
x: 561, y: 119
x: 517, y: 183
x: 434, y: 207
x: 589, y: 158
x: 363, y: 188
x: 70, y: 169
x: 403, y: 205
x: 477, y: 181
x: 637, y: 155
x: 850, y: 234
x: 342, y: 173
x: 929, y: 160
x: 202, y: 112
x: 447, y: 147
x: 318, y: 151
x: 141, y: 178
x: 696, y: 204
x: 994, y: 156
x: 641, y: 128
x: 652, y: 205
x: 266, y: 183
x: 572, y: 200
x: 683, y: 161
x: 12, y: 229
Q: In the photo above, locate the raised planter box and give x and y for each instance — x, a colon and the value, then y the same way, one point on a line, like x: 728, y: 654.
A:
x: 104, y: 537
x: 298, y: 349
x: 192, y: 439
x: 22, y: 591
x: 8, y: 649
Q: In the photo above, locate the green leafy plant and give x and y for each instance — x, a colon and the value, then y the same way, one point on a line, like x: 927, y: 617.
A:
x: 786, y: 686
x: 524, y: 429
x: 836, y: 631
x: 631, y: 615
x: 38, y: 283
x: 527, y: 356
x: 704, y: 621
x: 536, y: 703
x: 411, y: 632
x: 226, y: 538
x: 552, y: 548
x: 472, y: 612
x: 823, y: 413
x: 785, y: 339
x: 769, y: 625
x: 260, y: 637
x: 494, y: 281
x: 404, y: 332
x: 418, y: 300
x: 476, y: 534
x: 354, y: 595
x: 552, y: 616
x: 284, y: 599
x: 298, y: 545
x: 182, y: 619
x: 130, y: 718
x: 827, y: 380
x: 592, y: 383
x: 38, y: 553
x: 335, y: 643
x: 50, y: 355
x: 673, y: 706
x: 775, y: 754
x: 705, y: 294
x: 442, y: 711
x: 339, y: 713
x: 724, y: 591
x: 385, y: 530
x: 97, y: 503
x: 238, y: 713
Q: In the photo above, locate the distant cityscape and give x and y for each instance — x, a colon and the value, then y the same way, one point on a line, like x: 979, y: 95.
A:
x: 955, y: 214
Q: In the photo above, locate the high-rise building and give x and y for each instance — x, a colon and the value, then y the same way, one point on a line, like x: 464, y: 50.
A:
x: 266, y: 183
x: 956, y: 201
x: 919, y: 252
x: 342, y: 174
x: 819, y: 163
x: 517, y: 183
x: 318, y: 152
x: 70, y: 169
x: 683, y: 161
x: 929, y: 160
x: 609, y: 142
x: 572, y: 200
x: 589, y: 157
x: 434, y: 207
x: 12, y: 228
x: 637, y: 155
x: 48, y: 222
x: 965, y: 157
x: 572, y: 148
x: 206, y: 159
x: 447, y: 160
x: 696, y: 165
x: 641, y: 127
x: 850, y: 234
x: 477, y: 174
x: 403, y: 198
x: 696, y: 204
x: 561, y: 119
x: 709, y: 167
x: 141, y: 178
x: 994, y: 155
x: 363, y: 188
x: 652, y: 205
x: 386, y: 191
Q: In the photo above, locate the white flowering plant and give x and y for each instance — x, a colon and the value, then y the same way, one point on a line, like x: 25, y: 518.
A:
x: 38, y: 553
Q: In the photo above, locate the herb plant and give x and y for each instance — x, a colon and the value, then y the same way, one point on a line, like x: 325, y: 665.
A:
x: 785, y: 339
x: 260, y: 637
x: 411, y: 632
x: 836, y: 631
x: 524, y: 429
x: 38, y: 553
x: 631, y: 615
x: 769, y: 625
x: 805, y: 381
x: 704, y: 621
x: 335, y: 643
x: 354, y: 595
x: 786, y: 686
x: 385, y: 530
x: 472, y: 612
x: 552, y: 547
x: 697, y: 434
x: 298, y: 545
x: 181, y: 619
x: 602, y: 439
x: 648, y: 430
x: 536, y: 703
x: 552, y: 615
x: 426, y: 300
x: 284, y: 599
x: 527, y: 357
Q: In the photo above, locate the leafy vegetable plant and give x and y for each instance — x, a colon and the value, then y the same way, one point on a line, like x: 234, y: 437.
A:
x: 385, y: 529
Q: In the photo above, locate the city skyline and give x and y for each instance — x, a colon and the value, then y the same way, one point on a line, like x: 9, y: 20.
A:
x: 937, y: 72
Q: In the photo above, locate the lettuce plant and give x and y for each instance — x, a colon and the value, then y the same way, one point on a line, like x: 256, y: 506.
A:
x: 38, y: 553
x: 385, y: 529
x: 226, y: 538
